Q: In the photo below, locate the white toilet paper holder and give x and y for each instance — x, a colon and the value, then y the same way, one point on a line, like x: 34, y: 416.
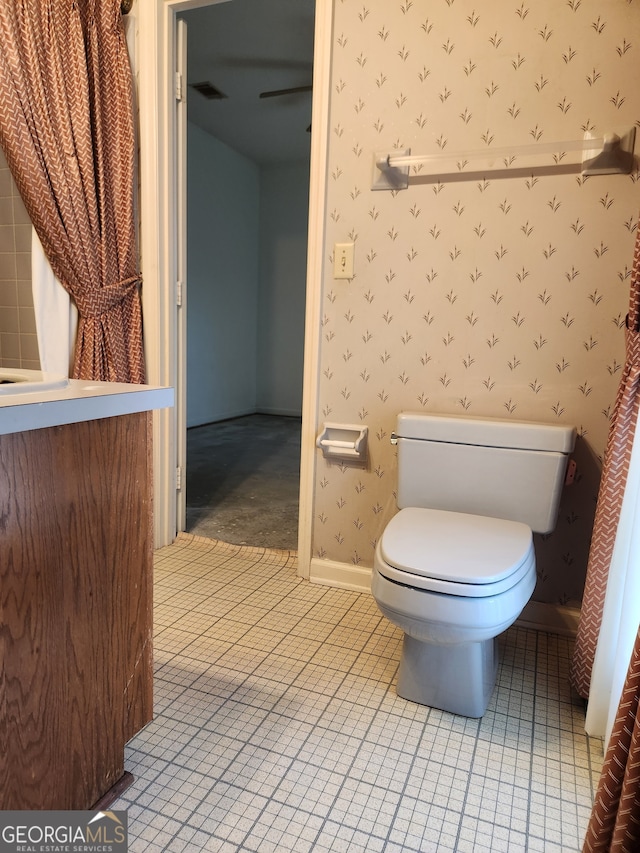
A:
x: 343, y: 441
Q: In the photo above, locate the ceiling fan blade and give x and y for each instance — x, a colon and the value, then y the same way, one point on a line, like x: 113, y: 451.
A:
x: 277, y: 92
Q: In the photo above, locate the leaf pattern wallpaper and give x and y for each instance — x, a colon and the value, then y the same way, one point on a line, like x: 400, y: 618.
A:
x: 490, y: 296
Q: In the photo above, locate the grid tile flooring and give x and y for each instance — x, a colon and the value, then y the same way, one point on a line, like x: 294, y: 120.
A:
x: 278, y: 729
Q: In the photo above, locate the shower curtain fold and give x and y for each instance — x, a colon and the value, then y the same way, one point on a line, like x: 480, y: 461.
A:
x: 615, y: 819
x: 67, y: 130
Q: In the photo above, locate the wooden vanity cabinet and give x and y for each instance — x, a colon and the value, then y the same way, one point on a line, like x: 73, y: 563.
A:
x: 76, y: 548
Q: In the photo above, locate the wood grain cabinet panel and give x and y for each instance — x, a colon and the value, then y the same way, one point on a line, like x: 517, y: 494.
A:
x: 75, y: 608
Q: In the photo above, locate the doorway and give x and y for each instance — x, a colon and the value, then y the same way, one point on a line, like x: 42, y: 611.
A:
x: 248, y: 151
x: 160, y: 235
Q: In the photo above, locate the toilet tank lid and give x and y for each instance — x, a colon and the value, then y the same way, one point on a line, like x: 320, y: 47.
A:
x: 487, y: 432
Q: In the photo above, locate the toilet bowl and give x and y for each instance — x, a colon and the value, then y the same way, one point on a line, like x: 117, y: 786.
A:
x: 481, y: 573
x: 453, y: 580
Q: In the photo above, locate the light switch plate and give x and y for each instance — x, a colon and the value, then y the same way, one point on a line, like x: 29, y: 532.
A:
x: 343, y: 260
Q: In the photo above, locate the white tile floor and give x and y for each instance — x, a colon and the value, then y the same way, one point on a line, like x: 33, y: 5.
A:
x: 278, y: 727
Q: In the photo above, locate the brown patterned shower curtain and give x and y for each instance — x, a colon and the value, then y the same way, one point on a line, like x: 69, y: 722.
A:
x: 67, y: 130
x: 614, y: 821
x: 614, y: 477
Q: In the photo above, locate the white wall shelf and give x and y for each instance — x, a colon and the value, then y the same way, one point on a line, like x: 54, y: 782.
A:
x: 609, y: 154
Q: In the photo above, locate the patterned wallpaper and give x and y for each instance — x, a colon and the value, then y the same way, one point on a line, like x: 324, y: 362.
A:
x: 500, y: 297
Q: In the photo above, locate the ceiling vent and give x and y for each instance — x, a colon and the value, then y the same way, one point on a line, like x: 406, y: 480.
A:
x: 208, y: 90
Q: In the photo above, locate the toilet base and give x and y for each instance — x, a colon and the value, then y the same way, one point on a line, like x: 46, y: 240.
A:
x: 455, y: 678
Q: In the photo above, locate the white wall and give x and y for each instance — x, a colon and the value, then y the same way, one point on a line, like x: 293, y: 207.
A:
x: 222, y: 280
x: 246, y: 268
x: 284, y: 205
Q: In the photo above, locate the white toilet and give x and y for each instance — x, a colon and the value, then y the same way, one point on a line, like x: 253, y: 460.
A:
x: 455, y: 567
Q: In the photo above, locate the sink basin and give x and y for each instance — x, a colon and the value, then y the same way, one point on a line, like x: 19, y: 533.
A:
x: 15, y: 381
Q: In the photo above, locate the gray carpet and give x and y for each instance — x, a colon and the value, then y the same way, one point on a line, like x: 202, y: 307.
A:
x: 243, y: 478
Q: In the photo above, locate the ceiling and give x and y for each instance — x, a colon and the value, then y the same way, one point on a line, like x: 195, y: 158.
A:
x: 243, y: 48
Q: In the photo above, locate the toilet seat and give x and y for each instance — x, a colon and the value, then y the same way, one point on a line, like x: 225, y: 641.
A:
x: 455, y: 553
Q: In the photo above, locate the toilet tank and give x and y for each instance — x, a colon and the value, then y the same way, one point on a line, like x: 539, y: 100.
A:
x: 505, y: 469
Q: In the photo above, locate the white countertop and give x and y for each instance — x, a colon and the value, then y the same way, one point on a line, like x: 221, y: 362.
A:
x: 79, y: 400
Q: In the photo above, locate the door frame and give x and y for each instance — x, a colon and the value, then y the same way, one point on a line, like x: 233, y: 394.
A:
x: 159, y: 235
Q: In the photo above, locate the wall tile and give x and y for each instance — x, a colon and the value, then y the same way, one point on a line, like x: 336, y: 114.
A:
x: 10, y: 321
x: 23, y: 238
x: 29, y: 352
x: 18, y: 341
x: 6, y: 187
x: 8, y: 294
x: 10, y: 349
x: 7, y: 238
x: 27, y: 320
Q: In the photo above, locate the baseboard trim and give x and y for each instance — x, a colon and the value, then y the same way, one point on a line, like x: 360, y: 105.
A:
x: 220, y: 417
x: 551, y: 618
x: 340, y: 575
x: 538, y: 615
x: 243, y: 413
x: 284, y: 413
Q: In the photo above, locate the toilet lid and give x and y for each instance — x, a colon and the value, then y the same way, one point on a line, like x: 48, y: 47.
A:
x: 455, y: 547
